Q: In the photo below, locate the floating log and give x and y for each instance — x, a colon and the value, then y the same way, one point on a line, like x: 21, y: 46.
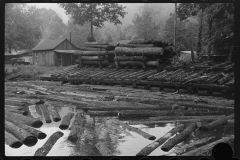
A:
x: 27, y: 138
x: 136, y: 45
x: 197, y: 143
x: 33, y: 131
x: 45, y: 113
x: 77, y: 127
x: 66, y: 121
x: 102, y: 113
x: 139, y: 51
x: 151, y: 147
x: 13, y: 107
x: 199, y: 151
x: 133, y: 129
x: 12, y: 141
x: 216, y: 123
x: 93, y: 53
x: 53, y: 112
x: 44, y: 150
x: 17, y: 111
x: 35, y: 111
x: 130, y: 58
x: 36, y: 123
x: 179, y: 138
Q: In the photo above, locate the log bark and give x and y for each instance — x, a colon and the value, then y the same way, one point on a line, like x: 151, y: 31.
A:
x: 103, y: 149
x: 66, y: 121
x: 45, y: 113
x: 139, y: 51
x: 93, y: 53
x: 35, y: 111
x: 17, y: 111
x: 27, y: 138
x: 130, y: 58
x: 36, y: 123
x: 33, y: 131
x: 88, y: 48
x: 179, y: 138
x: 151, y: 147
x: 54, y: 113
x: 13, y: 107
x: 199, y: 151
x: 77, y: 127
x: 44, y: 150
x: 197, y: 143
x: 12, y: 141
x: 133, y: 129
x: 102, y: 113
x: 218, y: 122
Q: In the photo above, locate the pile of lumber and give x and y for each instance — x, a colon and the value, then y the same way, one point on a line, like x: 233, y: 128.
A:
x: 96, y: 54
x: 142, y: 53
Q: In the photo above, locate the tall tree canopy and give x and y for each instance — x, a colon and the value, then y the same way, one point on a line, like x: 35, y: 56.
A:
x: 95, y: 13
x: 22, y: 27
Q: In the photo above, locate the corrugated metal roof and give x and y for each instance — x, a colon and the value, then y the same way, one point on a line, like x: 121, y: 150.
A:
x: 48, y: 44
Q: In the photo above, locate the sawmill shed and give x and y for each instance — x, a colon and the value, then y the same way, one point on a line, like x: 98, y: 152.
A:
x: 45, y: 53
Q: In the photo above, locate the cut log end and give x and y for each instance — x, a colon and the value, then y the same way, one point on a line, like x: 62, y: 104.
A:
x: 203, y: 128
x: 63, y: 127
x: 30, y: 141
x: 152, y: 138
x: 42, y: 135
x: 25, y: 113
x: 16, y: 145
x: 73, y: 138
x: 48, y: 121
x: 56, y: 119
x: 37, y: 124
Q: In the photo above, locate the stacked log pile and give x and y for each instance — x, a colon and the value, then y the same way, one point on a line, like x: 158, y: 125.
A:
x: 96, y: 54
x: 143, y: 53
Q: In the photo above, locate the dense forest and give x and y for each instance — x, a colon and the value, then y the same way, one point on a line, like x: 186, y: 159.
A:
x: 206, y: 27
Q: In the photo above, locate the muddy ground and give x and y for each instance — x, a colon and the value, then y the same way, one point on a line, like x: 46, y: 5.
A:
x: 71, y: 98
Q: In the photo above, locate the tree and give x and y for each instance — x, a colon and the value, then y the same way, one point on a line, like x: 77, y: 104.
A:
x: 22, y: 29
x: 144, y: 25
x: 94, y: 13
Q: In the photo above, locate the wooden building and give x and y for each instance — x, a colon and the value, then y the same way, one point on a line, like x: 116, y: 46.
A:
x: 45, y: 53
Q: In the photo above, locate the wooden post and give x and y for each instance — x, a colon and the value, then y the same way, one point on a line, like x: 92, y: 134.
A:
x: 61, y: 59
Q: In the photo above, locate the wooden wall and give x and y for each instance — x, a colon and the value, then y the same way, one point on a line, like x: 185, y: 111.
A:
x: 44, y: 57
x: 65, y: 45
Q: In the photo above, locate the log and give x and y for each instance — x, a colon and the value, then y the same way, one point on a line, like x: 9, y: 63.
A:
x: 66, y: 121
x: 92, y: 58
x: 103, y: 149
x: 45, y: 113
x: 102, y: 113
x: 88, y: 48
x: 36, y: 123
x: 77, y: 127
x: 199, y: 151
x: 93, y: 53
x: 12, y: 102
x: 130, y: 58
x: 133, y: 129
x: 179, y: 138
x: 12, y: 141
x: 53, y: 112
x: 216, y: 123
x: 230, y: 122
x: 13, y: 107
x: 17, y: 111
x: 197, y: 143
x: 44, y: 150
x: 152, y: 146
x: 35, y: 111
x: 130, y: 63
x: 152, y: 63
x: 33, y: 131
x: 27, y: 138
x: 139, y: 51
x: 184, y: 117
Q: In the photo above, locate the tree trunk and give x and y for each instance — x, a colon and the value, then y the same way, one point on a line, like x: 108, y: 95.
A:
x: 66, y: 121
x: 45, y: 113
x: 44, y: 150
x: 209, y: 37
x: 77, y: 127
x: 33, y: 131
x: 139, y: 51
x: 152, y: 146
x: 27, y: 138
x: 197, y: 143
x: 91, y: 21
x: 199, y: 43
x: 133, y: 129
x: 54, y: 113
x: 199, y: 151
x: 17, y: 111
x: 12, y: 141
x: 36, y: 123
x: 179, y: 138
x: 218, y: 122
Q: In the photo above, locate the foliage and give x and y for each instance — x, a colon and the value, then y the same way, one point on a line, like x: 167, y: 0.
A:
x: 97, y: 13
x: 22, y: 29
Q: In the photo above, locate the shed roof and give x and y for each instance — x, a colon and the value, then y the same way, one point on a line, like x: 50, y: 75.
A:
x: 67, y: 51
x: 48, y: 44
